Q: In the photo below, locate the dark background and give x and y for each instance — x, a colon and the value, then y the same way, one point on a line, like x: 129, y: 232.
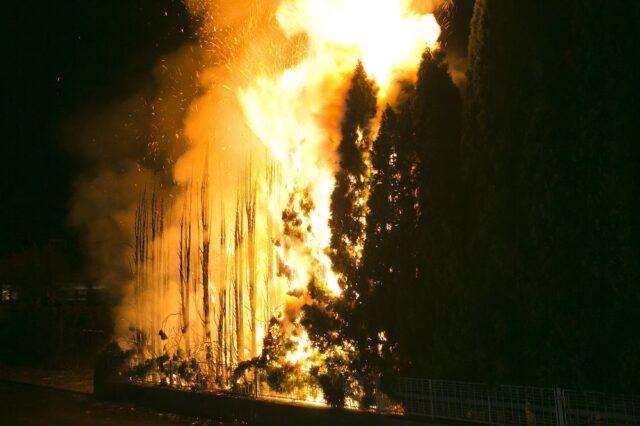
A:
x: 61, y: 63
x: 60, y: 58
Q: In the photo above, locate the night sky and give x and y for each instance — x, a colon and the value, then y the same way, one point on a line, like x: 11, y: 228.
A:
x: 62, y: 59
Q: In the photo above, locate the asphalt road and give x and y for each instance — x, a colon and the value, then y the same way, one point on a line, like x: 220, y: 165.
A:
x: 27, y: 405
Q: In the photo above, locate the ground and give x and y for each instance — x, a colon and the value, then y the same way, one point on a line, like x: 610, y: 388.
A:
x: 77, y: 380
x: 46, y: 397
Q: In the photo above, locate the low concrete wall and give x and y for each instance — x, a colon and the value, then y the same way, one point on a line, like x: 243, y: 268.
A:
x: 229, y: 407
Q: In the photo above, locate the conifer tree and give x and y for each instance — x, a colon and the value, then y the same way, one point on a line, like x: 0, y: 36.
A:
x: 379, y: 265
x: 437, y: 114
x: 348, y: 199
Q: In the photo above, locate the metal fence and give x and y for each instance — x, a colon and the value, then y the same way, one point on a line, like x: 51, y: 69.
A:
x: 594, y: 408
x: 480, y: 403
x: 515, y: 405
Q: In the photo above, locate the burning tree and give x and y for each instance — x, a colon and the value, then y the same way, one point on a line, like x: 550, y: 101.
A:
x: 205, y: 253
x: 239, y: 279
x: 348, y: 201
x: 224, y: 333
x: 184, y: 254
x: 250, y: 209
x: 385, y: 254
x: 294, y: 269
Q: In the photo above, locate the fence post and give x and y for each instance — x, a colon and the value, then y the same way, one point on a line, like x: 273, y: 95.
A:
x: 379, y: 401
x: 560, y: 415
x: 433, y: 414
x: 255, y: 380
x: 489, y: 406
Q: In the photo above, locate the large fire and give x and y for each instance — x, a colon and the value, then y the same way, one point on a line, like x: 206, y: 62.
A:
x: 255, y: 258
x: 287, y: 111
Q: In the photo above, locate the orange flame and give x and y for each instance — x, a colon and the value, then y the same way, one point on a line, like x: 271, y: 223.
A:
x: 288, y: 112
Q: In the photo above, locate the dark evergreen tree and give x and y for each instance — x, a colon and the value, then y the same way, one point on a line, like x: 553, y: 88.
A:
x: 548, y: 158
x: 437, y: 116
x: 382, y: 251
x: 380, y: 255
x: 608, y: 104
x: 412, y: 240
x: 508, y: 246
x: 496, y: 101
x: 348, y: 200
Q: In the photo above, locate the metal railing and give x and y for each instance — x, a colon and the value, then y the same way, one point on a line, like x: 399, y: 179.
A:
x: 515, y: 405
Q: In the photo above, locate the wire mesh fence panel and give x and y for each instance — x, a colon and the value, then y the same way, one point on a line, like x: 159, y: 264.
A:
x: 416, y: 397
x: 515, y: 405
x: 478, y: 402
x: 444, y: 399
x: 600, y: 409
x: 460, y: 400
x: 523, y: 405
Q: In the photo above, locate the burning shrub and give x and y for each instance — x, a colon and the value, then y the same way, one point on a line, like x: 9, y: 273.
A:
x: 333, y: 387
x: 139, y: 339
x: 111, y: 362
x: 115, y: 357
x: 283, y: 366
x: 187, y: 369
x: 144, y: 369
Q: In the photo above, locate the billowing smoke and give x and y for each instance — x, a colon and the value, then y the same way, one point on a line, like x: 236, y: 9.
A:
x: 126, y: 147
